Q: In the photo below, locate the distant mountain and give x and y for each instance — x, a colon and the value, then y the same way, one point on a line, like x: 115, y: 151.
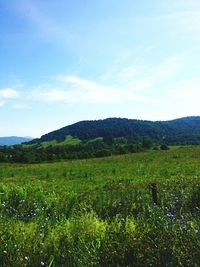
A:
x: 179, y: 131
x: 13, y: 140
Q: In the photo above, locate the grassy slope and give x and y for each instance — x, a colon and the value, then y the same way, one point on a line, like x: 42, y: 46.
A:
x: 99, y: 212
x: 69, y: 140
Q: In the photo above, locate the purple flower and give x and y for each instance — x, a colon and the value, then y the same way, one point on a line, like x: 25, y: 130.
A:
x: 170, y: 215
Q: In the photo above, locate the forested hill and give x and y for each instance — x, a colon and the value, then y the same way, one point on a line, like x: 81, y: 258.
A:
x: 179, y: 131
x: 114, y: 136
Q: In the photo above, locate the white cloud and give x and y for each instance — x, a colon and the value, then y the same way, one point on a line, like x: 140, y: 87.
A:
x: 139, y: 85
x: 21, y: 106
x: 169, y: 67
x: 142, y: 76
x: 1, y: 103
x: 186, y: 21
x: 8, y: 93
x: 189, y: 22
x: 94, y: 92
x: 77, y: 90
x: 127, y: 73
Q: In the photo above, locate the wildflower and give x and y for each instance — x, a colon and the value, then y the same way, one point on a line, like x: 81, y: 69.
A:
x: 170, y: 215
x: 26, y: 258
x: 42, y: 263
x: 13, y: 209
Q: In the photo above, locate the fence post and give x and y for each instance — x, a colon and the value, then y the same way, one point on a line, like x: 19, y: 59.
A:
x: 154, y: 193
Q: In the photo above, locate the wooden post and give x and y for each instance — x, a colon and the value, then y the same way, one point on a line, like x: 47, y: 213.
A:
x: 154, y: 193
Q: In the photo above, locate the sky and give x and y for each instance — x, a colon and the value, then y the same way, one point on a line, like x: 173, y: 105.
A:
x: 66, y: 61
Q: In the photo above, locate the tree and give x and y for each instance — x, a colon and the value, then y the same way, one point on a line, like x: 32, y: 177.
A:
x: 147, y: 143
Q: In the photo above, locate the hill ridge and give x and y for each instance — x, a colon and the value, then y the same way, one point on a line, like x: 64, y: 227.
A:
x: 181, y: 130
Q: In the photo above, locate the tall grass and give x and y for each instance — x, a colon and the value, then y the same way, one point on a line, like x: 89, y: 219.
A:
x: 100, y: 212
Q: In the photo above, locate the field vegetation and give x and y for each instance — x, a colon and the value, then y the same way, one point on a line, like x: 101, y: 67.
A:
x: 100, y: 212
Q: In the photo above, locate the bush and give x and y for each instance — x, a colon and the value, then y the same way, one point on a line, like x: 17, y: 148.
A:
x: 164, y: 147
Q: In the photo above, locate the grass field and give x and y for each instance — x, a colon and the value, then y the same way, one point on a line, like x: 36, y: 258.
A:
x: 99, y: 212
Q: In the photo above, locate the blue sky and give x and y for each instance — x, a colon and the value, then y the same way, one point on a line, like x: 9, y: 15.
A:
x: 65, y: 61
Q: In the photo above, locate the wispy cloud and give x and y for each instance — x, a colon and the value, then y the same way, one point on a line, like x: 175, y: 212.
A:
x: 188, y: 22
x: 185, y: 21
x: 130, y: 83
x: 128, y: 72
x: 8, y: 93
x: 2, y: 103
x: 169, y: 67
x: 21, y: 106
x: 77, y: 90
x: 140, y: 77
x: 43, y: 22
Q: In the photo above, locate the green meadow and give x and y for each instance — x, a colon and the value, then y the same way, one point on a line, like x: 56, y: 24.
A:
x: 100, y: 212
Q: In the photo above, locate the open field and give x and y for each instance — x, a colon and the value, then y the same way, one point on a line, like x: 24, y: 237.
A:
x: 99, y: 212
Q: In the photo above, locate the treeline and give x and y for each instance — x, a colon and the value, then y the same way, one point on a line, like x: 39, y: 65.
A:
x: 98, y: 148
